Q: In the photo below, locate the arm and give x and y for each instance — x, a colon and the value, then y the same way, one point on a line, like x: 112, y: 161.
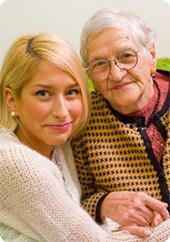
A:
x: 126, y: 208
x: 31, y: 189
x: 91, y: 196
x: 33, y: 195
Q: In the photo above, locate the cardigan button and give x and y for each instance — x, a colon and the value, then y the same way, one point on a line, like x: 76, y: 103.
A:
x: 160, y: 174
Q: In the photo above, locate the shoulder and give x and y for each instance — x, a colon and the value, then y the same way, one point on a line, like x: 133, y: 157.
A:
x: 8, y: 139
x: 15, y: 153
x: 163, y: 72
x: 10, y: 142
x: 97, y: 98
x: 163, y: 78
x: 21, y: 164
x: 99, y: 104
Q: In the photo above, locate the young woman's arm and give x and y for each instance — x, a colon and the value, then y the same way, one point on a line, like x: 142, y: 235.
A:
x: 34, y: 202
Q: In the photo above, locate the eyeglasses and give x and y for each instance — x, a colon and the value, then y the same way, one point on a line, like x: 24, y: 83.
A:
x: 125, y: 60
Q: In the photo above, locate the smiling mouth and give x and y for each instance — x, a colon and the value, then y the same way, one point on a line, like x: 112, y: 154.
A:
x: 122, y: 86
x: 60, y: 127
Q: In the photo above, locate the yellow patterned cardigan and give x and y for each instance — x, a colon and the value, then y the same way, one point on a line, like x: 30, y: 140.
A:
x: 111, y: 157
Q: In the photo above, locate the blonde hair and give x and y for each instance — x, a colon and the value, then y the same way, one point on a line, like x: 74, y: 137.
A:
x: 22, y: 61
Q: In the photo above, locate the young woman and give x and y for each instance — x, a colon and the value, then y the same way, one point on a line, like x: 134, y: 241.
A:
x: 44, y: 102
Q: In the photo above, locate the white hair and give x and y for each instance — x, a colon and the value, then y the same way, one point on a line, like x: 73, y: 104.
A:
x: 142, y: 33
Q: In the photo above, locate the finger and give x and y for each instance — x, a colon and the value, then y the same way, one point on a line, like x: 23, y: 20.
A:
x: 134, y: 216
x: 136, y: 230
x: 139, y: 220
x: 157, y: 219
x: 147, y: 215
x: 165, y: 205
x: 141, y: 215
x: 157, y: 206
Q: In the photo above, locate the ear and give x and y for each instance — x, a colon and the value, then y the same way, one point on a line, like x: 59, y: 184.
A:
x: 153, y: 59
x: 10, y: 100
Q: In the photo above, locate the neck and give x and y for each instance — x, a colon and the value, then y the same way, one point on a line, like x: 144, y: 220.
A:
x: 44, y: 150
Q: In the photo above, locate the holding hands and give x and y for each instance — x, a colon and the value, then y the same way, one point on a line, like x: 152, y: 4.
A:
x: 134, y: 211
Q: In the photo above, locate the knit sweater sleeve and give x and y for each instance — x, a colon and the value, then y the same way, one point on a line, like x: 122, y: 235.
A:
x: 91, y: 197
x: 34, y: 201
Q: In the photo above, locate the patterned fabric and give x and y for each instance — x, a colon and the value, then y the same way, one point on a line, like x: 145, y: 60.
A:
x: 34, y: 205
x: 40, y: 202
x: 113, y: 157
x: 157, y: 141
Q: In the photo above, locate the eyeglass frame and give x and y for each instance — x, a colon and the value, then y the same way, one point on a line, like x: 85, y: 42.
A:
x: 115, y: 63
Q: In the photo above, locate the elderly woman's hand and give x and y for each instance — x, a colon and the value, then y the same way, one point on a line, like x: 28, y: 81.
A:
x: 133, y: 209
x: 142, y: 231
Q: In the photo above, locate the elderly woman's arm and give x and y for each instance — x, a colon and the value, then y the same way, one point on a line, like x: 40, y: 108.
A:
x: 125, y: 207
x: 34, y: 200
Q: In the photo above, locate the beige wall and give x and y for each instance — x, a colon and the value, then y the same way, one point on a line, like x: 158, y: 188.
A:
x: 66, y: 18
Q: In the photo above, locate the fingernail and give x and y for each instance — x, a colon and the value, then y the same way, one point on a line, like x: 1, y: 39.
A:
x: 147, y: 232
x: 156, y: 223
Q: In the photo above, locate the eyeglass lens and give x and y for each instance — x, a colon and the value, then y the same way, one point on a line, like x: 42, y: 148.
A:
x: 125, y: 60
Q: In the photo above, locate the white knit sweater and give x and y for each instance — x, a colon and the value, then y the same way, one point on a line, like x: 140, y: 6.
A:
x: 39, y: 199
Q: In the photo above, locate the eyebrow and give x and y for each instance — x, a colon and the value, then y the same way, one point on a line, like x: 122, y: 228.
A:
x: 48, y: 86
x: 96, y: 58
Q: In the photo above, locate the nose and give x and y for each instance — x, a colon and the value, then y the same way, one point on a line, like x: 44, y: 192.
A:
x: 60, y: 109
x: 116, y: 74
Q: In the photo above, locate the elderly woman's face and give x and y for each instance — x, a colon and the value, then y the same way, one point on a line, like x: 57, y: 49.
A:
x: 126, y: 91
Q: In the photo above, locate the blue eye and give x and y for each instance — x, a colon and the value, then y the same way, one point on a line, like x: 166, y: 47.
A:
x: 42, y: 93
x: 72, y: 92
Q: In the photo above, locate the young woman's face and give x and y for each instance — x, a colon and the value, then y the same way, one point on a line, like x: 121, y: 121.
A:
x: 49, y: 109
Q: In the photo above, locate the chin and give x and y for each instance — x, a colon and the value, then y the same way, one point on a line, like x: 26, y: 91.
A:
x: 60, y: 141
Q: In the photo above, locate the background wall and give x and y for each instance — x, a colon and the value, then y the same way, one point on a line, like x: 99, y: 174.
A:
x: 66, y: 18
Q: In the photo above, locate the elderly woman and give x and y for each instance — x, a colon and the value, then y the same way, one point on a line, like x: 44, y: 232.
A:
x: 123, y: 157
